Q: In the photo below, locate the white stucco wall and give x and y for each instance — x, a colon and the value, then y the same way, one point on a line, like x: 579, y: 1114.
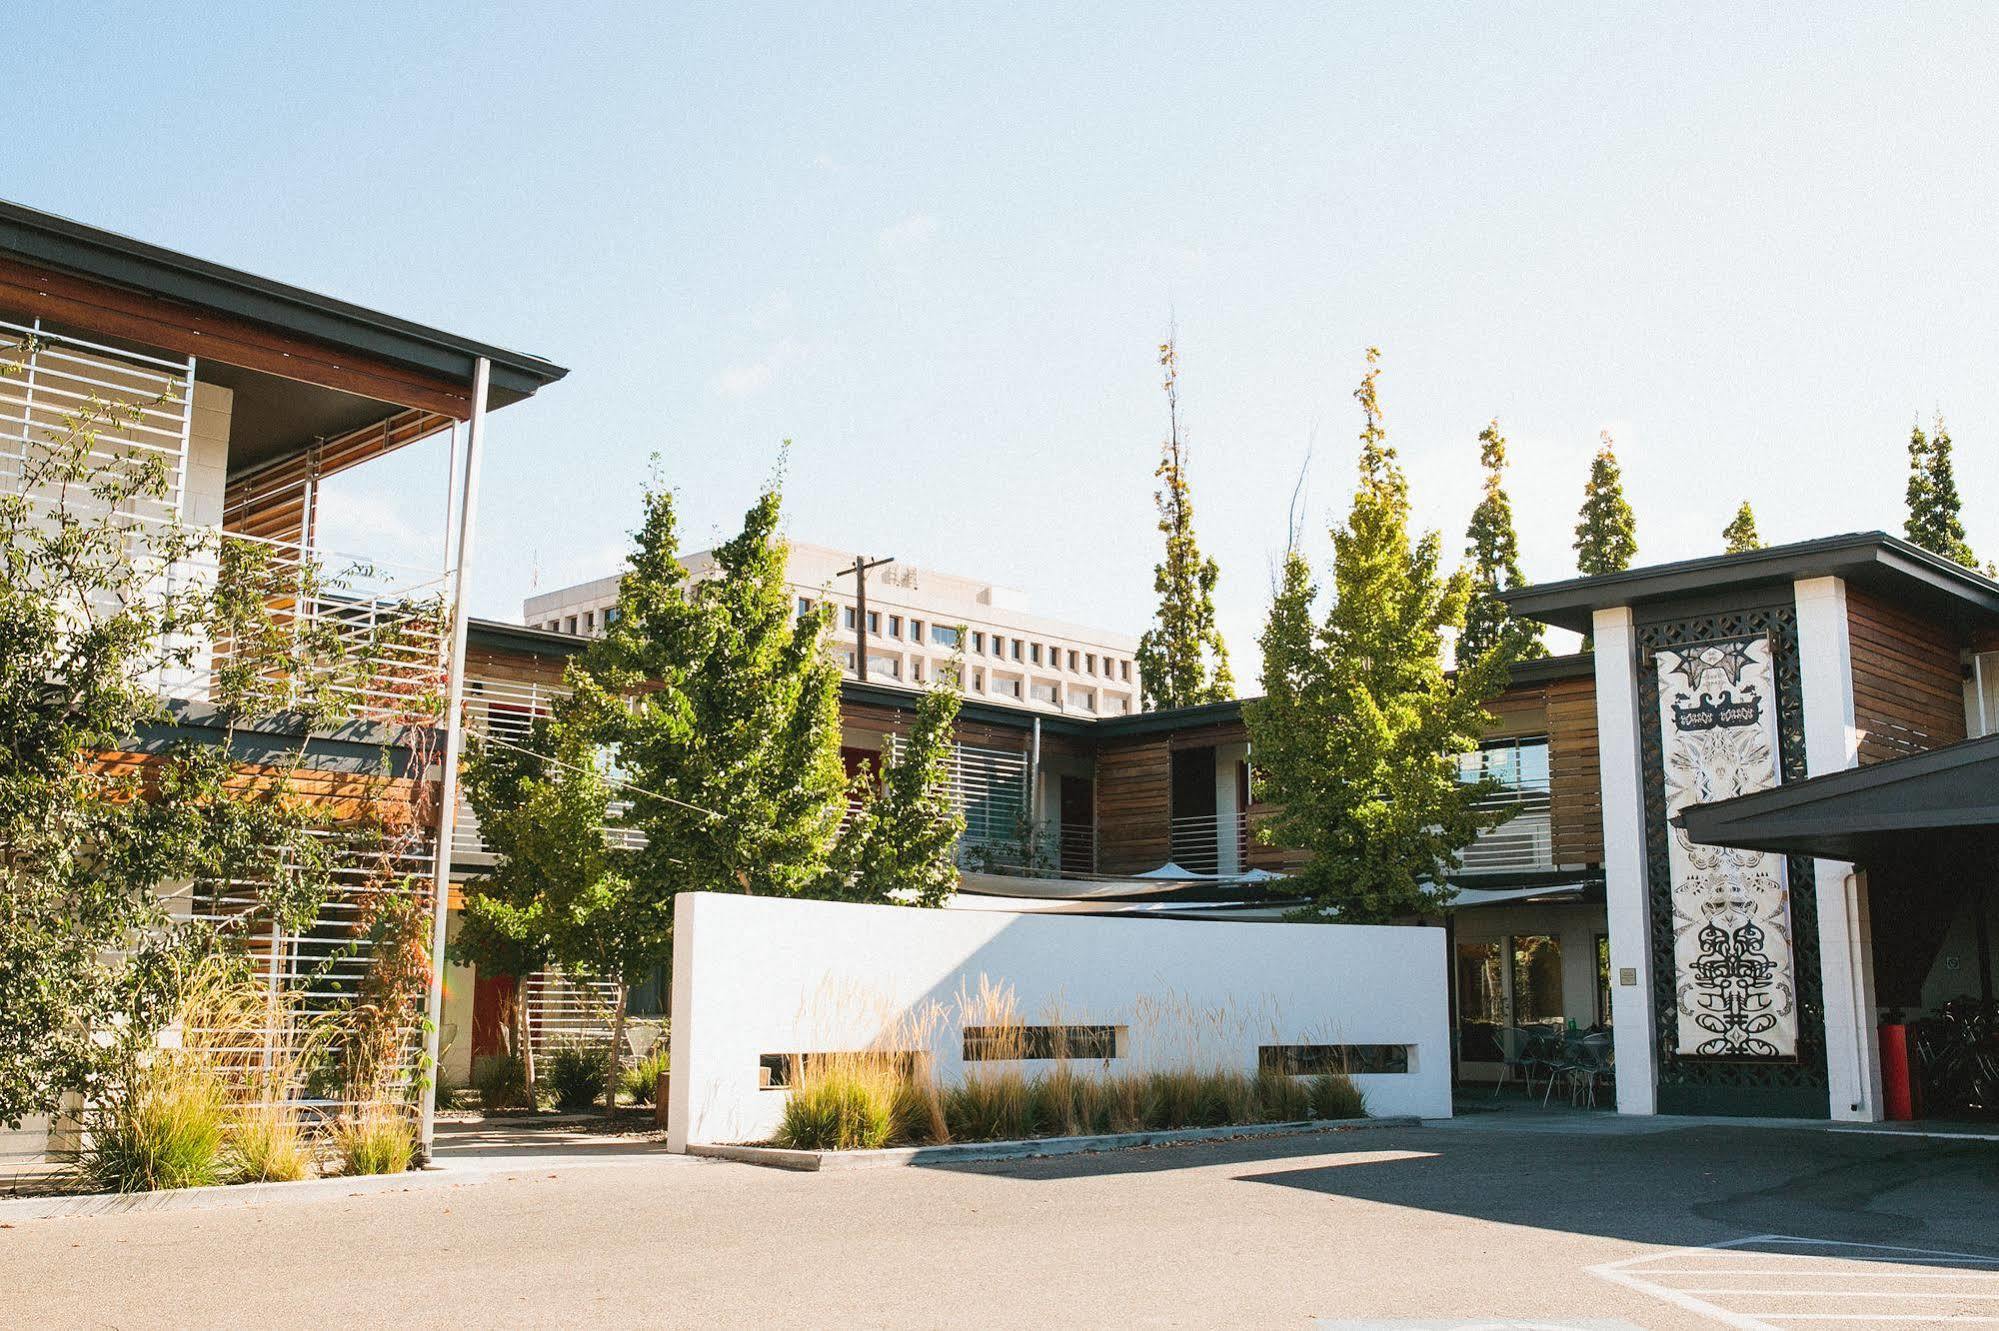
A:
x: 754, y: 976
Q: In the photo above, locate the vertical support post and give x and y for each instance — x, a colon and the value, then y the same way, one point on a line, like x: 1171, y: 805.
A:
x: 1034, y: 830
x: 454, y: 739
x: 860, y: 619
x: 1846, y: 963
x: 1626, y: 891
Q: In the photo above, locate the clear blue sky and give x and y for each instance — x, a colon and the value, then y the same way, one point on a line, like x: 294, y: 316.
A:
x: 936, y: 247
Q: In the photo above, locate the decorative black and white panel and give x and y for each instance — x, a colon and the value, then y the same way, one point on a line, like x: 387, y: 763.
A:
x: 1734, y: 970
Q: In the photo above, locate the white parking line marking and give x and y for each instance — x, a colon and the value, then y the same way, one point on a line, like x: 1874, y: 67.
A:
x: 1743, y: 1275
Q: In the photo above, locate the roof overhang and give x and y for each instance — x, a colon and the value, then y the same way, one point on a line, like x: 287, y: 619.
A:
x: 1874, y: 561
x: 45, y: 240
x: 1865, y: 814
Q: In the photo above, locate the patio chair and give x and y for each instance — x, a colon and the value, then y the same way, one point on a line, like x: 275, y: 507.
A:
x: 1515, y: 1043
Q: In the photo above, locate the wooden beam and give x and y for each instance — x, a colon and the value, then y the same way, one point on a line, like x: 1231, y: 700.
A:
x: 97, y: 307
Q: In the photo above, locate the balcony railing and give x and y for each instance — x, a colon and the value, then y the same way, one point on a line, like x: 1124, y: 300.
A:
x: 1211, y: 843
x: 299, y: 630
x: 1525, y: 841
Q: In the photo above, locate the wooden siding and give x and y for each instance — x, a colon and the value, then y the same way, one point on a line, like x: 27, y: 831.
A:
x: 1908, y: 682
x: 342, y: 795
x: 110, y: 311
x: 270, y: 501
x: 1575, y: 772
x: 1134, y: 797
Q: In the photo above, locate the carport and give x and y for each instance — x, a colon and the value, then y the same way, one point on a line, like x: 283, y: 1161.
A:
x: 1924, y: 832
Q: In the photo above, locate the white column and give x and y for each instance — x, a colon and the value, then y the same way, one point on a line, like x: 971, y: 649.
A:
x: 1846, y: 962
x: 1626, y: 901
x: 1228, y: 812
x: 454, y: 740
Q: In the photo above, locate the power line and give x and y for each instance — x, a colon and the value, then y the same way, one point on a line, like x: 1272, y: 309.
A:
x: 608, y: 780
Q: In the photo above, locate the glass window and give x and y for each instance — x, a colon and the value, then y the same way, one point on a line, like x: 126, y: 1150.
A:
x: 1537, y: 980
x: 916, y: 629
x: 1090, y: 663
x: 1016, y: 649
x: 944, y: 635
x: 978, y: 641
x: 610, y: 616
x: 978, y: 681
x: 895, y: 626
x: 1124, y: 671
x: 1481, y: 1001
x: 885, y: 665
x: 1072, y: 660
x: 847, y: 616
x: 804, y: 606
x: 874, y: 621
x: 572, y: 623
x: 1044, y: 693
x: 1034, y: 652
x: 916, y: 669
x: 1084, y: 698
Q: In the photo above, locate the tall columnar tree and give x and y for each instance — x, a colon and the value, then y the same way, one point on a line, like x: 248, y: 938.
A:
x: 1182, y: 660
x: 1739, y: 536
x: 1492, y: 548
x: 1607, y: 530
x: 1358, y: 735
x: 1936, y: 512
x: 900, y: 844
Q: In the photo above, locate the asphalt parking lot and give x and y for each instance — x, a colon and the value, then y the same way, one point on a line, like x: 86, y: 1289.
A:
x: 1491, y: 1220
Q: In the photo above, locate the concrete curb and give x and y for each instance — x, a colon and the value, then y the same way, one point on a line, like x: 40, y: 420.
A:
x: 778, y: 1157
x: 224, y: 1195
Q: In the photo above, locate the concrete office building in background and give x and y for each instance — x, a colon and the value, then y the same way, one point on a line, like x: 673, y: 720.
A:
x: 918, y: 619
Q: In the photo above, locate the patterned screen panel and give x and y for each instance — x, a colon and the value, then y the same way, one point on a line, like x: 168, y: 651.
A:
x: 1734, y: 976
x: 1718, y: 1082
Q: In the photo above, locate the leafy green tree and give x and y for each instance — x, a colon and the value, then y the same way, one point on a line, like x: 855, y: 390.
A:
x: 899, y: 846
x: 504, y: 928
x: 1607, y: 530
x: 1358, y: 735
x: 1739, y: 536
x: 724, y: 709
x: 1936, y: 512
x: 1493, y: 550
x: 89, y: 621
x: 1182, y: 659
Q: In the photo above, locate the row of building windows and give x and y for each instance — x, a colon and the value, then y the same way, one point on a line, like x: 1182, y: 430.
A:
x: 586, y: 622
x: 993, y: 645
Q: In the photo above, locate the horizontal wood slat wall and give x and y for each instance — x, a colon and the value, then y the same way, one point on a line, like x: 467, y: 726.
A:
x: 1575, y: 772
x: 343, y: 795
x: 1908, y: 681
x: 1134, y: 799
x: 270, y: 502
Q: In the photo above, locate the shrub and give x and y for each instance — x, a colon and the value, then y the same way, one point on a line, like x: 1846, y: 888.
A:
x: 268, y: 1145
x: 576, y: 1077
x: 919, y: 1113
x: 990, y: 1106
x: 1334, y: 1095
x: 448, y: 1090
x: 377, y: 1139
x: 642, y: 1082
x: 501, y: 1080
x: 838, y: 1110
x: 163, y: 1128
x: 1281, y: 1098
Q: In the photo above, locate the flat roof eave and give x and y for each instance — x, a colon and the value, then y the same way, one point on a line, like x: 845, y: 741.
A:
x: 61, y: 243
x: 1873, y: 560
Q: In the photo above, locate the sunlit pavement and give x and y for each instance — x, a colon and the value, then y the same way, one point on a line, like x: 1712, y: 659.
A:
x: 1493, y: 1220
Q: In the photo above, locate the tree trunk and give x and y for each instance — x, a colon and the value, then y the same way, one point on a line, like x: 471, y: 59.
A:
x: 523, y: 1042
x: 615, y: 1062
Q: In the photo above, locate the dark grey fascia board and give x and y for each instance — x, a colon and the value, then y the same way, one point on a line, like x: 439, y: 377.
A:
x: 360, y: 748
x: 1823, y: 808
x: 520, y: 638
x: 905, y: 698
x: 58, y: 242
x: 1547, y: 669
x: 1866, y: 556
x: 1174, y: 718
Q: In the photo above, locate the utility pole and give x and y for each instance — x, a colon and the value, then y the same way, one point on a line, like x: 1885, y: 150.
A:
x: 860, y: 573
